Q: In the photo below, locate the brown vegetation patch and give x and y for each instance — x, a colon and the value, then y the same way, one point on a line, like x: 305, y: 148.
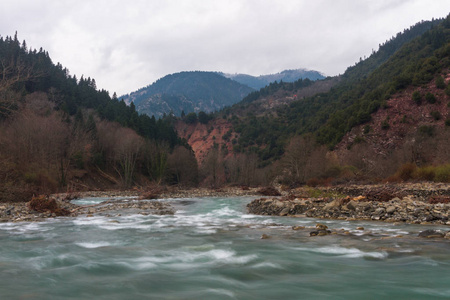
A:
x: 269, y: 191
x: 152, y: 193
x: 383, y: 194
x: 439, y: 199
x: 44, y: 204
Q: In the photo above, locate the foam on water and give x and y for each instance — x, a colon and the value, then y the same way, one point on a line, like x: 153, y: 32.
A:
x: 93, y: 245
x: 267, y: 265
x: 346, y: 252
x: 222, y: 292
x: 428, y: 292
x: 98, y: 200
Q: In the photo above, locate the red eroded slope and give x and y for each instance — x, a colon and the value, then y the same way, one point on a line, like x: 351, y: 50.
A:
x: 204, y: 137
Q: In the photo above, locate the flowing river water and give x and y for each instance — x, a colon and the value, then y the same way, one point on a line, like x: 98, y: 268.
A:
x: 212, y: 249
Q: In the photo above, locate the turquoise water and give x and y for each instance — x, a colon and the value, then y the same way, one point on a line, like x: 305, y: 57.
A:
x: 212, y: 249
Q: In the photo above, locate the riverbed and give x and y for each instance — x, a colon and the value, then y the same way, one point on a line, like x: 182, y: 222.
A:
x: 211, y: 248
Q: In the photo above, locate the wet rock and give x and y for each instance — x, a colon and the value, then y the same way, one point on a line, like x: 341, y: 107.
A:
x: 298, y: 227
x: 285, y: 211
x: 390, y: 209
x: 320, y: 232
x: 432, y: 233
x: 379, y: 211
x: 352, y: 205
x: 265, y: 236
x: 331, y: 205
x: 321, y: 226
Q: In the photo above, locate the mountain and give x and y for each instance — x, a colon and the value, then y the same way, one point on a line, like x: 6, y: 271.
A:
x: 389, y: 110
x: 189, y: 92
x: 407, y: 59
x: 258, y: 82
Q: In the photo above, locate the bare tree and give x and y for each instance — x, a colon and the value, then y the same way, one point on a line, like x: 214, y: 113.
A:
x: 243, y: 169
x: 296, y: 160
x: 13, y: 71
x: 127, y: 150
x: 210, y: 166
x: 182, y: 167
x: 154, y: 159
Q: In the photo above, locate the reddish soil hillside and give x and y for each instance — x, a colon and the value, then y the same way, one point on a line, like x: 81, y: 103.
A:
x: 204, y: 137
x: 400, y: 119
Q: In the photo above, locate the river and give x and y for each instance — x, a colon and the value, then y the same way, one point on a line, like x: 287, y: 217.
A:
x: 212, y: 249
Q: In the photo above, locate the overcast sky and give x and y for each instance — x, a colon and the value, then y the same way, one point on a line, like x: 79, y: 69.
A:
x: 126, y: 45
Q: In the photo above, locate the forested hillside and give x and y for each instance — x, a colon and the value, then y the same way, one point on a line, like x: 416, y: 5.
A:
x: 61, y: 132
x: 258, y: 82
x: 187, y: 92
x: 363, y: 89
x: 386, y: 111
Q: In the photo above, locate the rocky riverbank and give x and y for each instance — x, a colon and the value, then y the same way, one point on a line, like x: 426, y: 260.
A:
x: 416, y: 204
x: 21, y: 212
x: 136, y: 201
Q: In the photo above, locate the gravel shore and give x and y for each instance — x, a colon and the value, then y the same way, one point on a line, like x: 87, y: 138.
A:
x: 418, y: 203
x: 139, y: 201
x: 409, y: 203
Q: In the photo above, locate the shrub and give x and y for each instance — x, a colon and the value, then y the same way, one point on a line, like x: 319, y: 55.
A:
x: 333, y: 171
x: 406, y: 171
x: 447, y: 122
x: 436, y: 115
x: 44, y: 204
x: 269, y: 191
x: 203, y: 117
x: 431, y: 98
x: 393, y: 179
x: 442, y: 173
x: 438, y: 199
x: 385, y: 125
x: 383, y: 194
x: 313, y: 182
x: 417, y: 97
x: 78, y: 160
x: 426, y: 173
x: 191, y: 118
x: 367, y: 129
x: 359, y: 140
x: 30, y: 177
x: 440, y: 83
x: 426, y: 130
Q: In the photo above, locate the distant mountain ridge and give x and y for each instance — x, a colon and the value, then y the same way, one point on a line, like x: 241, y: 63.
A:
x: 189, y: 92
x: 194, y: 91
x: 258, y: 82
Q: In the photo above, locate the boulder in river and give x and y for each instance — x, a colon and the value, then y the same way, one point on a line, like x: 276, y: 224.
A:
x: 432, y: 233
x: 320, y: 232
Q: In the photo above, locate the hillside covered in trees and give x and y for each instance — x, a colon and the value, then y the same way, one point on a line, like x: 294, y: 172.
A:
x: 185, y: 92
x: 405, y: 81
x: 259, y: 82
x: 58, y: 132
x: 363, y: 89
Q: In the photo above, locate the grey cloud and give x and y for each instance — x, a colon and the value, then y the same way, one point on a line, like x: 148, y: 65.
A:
x: 125, y: 45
